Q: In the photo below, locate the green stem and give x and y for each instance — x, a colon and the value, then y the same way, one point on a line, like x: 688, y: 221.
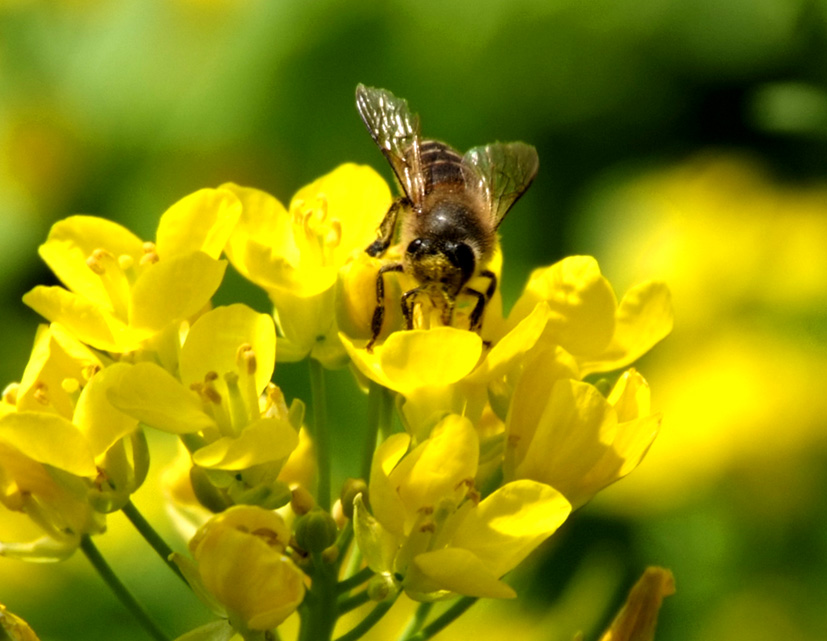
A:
x: 322, y: 441
x: 353, y: 602
x: 444, y: 619
x: 416, y: 621
x: 319, y: 617
x: 354, y: 581
x: 152, y: 537
x: 124, y: 595
x: 370, y: 620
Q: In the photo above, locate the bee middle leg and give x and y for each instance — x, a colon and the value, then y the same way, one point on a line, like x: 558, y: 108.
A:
x: 379, y: 312
x: 475, y: 318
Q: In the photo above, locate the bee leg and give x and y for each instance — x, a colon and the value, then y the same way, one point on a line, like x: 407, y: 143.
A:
x: 475, y: 319
x: 408, y: 299
x: 492, y: 286
x: 379, y: 312
x: 386, y: 228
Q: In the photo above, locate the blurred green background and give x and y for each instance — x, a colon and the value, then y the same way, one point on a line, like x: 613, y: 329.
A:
x: 684, y: 140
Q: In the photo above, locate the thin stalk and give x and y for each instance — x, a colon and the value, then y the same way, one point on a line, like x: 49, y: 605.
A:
x: 370, y: 620
x: 374, y: 412
x: 416, y: 621
x: 152, y: 537
x: 353, y: 602
x: 124, y: 595
x: 444, y: 619
x: 320, y: 433
x: 354, y: 581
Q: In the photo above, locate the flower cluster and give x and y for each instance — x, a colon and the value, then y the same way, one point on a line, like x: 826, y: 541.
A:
x: 501, y: 432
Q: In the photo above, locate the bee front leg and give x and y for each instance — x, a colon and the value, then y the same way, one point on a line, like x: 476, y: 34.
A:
x: 386, y: 228
x: 379, y: 312
x: 475, y: 318
x: 408, y: 300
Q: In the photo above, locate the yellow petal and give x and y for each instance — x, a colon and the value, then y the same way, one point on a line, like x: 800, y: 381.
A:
x: 264, y: 440
x: 357, y: 197
x: 581, y: 302
x: 513, y: 345
x: 95, y: 416
x: 56, y: 357
x: 174, y: 289
x: 437, y: 469
x: 153, y: 396
x: 455, y: 570
x: 263, y: 236
x: 308, y: 324
x: 201, y: 221
x: 72, y: 241
x: 89, y: 323
x: 384, y: 498
x: 510, y: 523
x: 644, y: 317
x: 49, y: 439
x: 424, y: 358
x: 213, y: 342
x: 574, y: 434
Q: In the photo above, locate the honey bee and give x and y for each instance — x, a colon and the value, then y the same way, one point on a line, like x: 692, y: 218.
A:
x: 449, y: 211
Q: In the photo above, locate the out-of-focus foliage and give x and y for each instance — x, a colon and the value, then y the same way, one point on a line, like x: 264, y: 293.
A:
x: 119, y: 107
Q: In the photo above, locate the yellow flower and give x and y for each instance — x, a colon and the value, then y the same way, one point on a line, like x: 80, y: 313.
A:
x: 241, y: 568
x: 565, y: 433
x: 295, y: 255
x: 430, y: 531
x: 63, y: 454
x: 586, y: 320
x: 237, y: 420
x: 121, y: 292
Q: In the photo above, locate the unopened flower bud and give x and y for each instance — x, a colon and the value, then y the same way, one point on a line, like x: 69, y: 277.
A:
x: 302, y: 501
x: 315, y: 531
x: 350, y: 489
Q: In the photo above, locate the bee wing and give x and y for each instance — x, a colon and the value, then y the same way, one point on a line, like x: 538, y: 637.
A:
x: 501, y: 172
x: 395, y: 130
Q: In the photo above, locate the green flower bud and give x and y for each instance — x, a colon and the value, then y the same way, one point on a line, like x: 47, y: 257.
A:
x: 315, y: 531
x: 350, y: 489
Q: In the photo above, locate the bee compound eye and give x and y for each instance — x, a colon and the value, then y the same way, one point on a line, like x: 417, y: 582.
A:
x: 462, y: 256
x: 416, y: 246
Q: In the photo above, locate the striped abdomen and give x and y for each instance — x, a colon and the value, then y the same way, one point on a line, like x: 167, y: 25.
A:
x: 441, y: 165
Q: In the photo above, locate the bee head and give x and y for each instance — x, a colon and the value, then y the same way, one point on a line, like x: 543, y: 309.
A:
x: 448, y: 263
